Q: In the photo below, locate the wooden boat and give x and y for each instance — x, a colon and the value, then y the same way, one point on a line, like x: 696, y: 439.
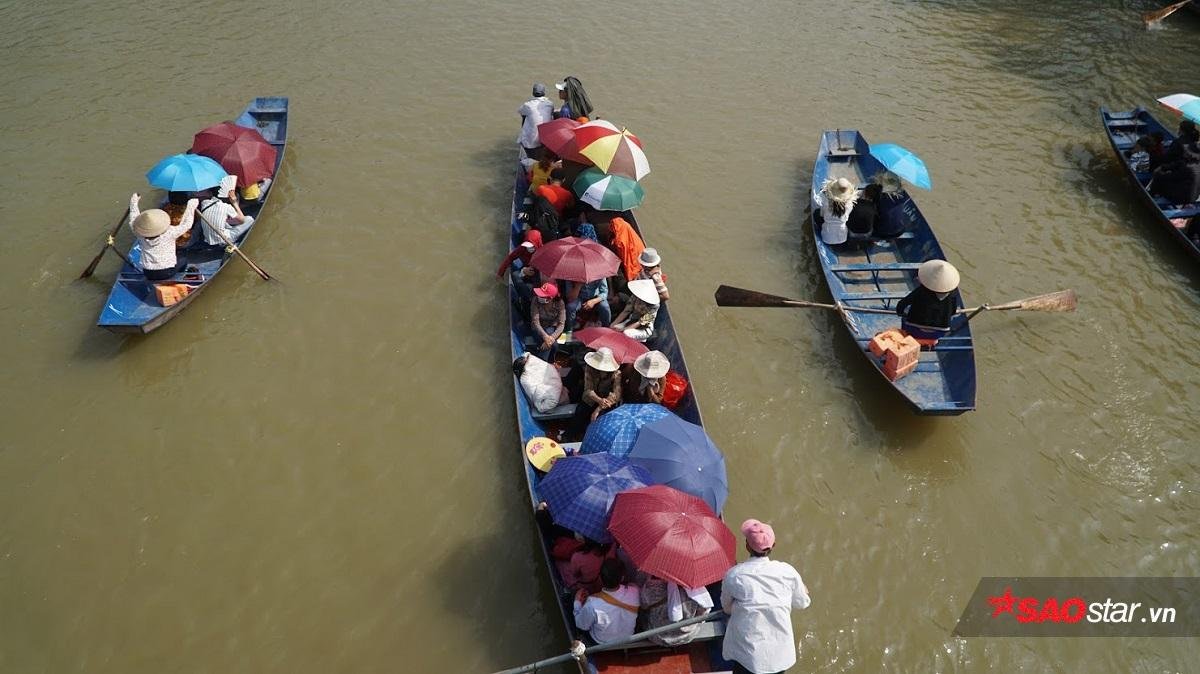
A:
x: 1123, y: 129
x: 132, y: 305
x: 880, y: 274
x: 644, y: 656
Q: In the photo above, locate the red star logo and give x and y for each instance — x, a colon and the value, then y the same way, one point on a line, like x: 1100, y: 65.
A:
x: 1003, y: 603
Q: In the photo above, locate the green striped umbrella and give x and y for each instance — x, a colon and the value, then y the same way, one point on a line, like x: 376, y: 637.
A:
x: 608, y: 193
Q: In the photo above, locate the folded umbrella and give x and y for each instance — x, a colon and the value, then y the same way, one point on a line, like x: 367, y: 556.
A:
x: 608, y: 193
x: 672, y: 535
x: 680, y: 454
x: 614, y: 151
x: 904, y: 163
x: 559, y: 137
x: 574, y: 258
x: 580, y: 489
x: 616, y: 430
x: 185, y: 173
x: 241, y: 151
x: 625, y: 349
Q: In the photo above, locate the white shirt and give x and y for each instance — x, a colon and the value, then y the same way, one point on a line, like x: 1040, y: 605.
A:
x: 535, y: 111
x: 833, y: 229
x: 605, y: 622
x: 215, y: 213
x: 759, y: 595
x: 159, y: 252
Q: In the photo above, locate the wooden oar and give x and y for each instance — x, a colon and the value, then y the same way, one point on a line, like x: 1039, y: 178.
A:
x: 728, y: 296
x: 1158, y: 15
x: 108, y: 243
x: 233, y: 246
x: 1061, y: 300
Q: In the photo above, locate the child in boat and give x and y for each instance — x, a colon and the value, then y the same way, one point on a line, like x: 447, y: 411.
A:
x: 926, y: 312
x: 1139, y: 156
x: 156, y: 237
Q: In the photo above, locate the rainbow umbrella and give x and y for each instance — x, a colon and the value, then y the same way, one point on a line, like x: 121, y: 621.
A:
x: 615, y: 151
x: 608, y: 193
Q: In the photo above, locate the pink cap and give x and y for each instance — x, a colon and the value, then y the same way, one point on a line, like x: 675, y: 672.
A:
x: 759, y: 536
x: 529, y: 246
x: 547, y: 290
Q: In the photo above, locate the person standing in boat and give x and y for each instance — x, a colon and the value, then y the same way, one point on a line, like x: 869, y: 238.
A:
x: 759, y: 595
x: 537, y: 110
x: 575, y: 100
x: 156, y: 238
x: 833, y: 202
x: 926, y: 312
x: 223, y: 214
x: 890, y: 220
x: 610, y: 614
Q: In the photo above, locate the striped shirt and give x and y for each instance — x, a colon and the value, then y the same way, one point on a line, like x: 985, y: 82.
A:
x: 214, y: 215
x: 655, y: 274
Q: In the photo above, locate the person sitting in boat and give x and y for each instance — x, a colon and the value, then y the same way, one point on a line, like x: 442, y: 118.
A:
x: 611, y: 614
x: 256, y: 191
x: 583, y: 570
x: 575, y: 100
x: 221, y: 214
x: 518, y: 258
x: 601, y: 388
x: 539, y: 172
x: 636, y: 320
x: 664, y: 602
x: 652, y: 269
x: 890, y: 220
x: 156, y: 238
x: 622, y: 239
x: 926, y: 312
x: 860, y: 226
x: 590, y: 296
x: 645, y: 383
x: 548, y: 318
x: 553, y: 191
x: 1177, y: 179
x: 1139, y: 155
x: 833, y: 203
x: 537, y: 110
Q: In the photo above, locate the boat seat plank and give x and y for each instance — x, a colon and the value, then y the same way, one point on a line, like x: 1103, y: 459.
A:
x: 1185, y: 212
x: 709, y: 630
x: 560, y: 413
x: 873, y: 296
x: 881, y: 266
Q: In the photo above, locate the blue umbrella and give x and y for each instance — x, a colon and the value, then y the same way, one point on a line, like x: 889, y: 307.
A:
x: 1191, y: 110
x: 615, y: 431
x: 185, y: 173
x: 580, y: 491
x: 903, y: 163
x: 680, y: 454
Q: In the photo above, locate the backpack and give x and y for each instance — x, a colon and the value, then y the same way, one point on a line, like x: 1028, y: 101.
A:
x: 544, y: 219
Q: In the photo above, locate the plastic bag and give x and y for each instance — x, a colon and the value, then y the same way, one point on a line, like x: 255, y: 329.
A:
x: 674, y: 386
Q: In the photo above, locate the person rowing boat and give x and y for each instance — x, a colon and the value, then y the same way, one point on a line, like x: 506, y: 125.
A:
x: 926, y: 312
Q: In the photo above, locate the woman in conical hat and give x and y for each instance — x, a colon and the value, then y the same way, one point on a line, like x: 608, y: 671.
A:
x: 926, y: 312
x: 833, y: 203
x: 156, y: 238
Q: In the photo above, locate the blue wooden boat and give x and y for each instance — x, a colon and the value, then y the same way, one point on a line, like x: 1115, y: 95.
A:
x: 879, y: 275
x: 645, y: 656
x: 132, y: 306
x: 1123, y: 129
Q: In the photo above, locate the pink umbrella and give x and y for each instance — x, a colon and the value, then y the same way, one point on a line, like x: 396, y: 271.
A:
x: 625, y: 349
x: 559, y: 137
x: 574, y: 258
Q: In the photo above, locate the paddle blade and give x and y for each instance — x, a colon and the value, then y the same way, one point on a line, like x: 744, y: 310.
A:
x: 1063, y: 300
x: 91, y: 268
x: 1158, y: 15
x: 728, y: 296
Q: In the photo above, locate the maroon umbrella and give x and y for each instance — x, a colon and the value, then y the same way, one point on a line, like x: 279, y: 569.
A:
x: 240, y: 151
x: 672, y: 535
x: 574, y: 258
x: 559, y: 137
x: 625, y: 349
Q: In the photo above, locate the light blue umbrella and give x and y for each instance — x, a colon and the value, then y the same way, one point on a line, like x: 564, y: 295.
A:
x: 614, y: 432
x: 903, y: 163
x: 680, y: 454
x: 185, y: 173
x: 1191, y: 110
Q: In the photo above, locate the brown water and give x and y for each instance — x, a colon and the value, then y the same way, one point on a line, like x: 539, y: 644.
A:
x: 320, y: 474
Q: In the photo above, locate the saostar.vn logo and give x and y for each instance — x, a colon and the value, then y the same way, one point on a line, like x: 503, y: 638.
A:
x: 1074, y: 609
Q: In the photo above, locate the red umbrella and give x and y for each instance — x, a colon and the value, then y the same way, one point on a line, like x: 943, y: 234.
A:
x: 625, y: 349
x: 240, y: 151
x: 574, y: 258
x: 559, y: 137
x: 672, y: 535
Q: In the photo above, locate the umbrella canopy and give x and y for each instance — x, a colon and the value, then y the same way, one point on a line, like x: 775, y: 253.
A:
x: 241, y: 151
x: 574, y: 258
x: 903, y: 163
x: 1177, y: 101
x: 680, y: 454
x: 580, y: 491
x: 559, y: 137
x: 615, y: 151
x: 608, y: 193
x: 625, y: 349
x: 185, y: 173
x: 615, y: 432
x: 672, y: 535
